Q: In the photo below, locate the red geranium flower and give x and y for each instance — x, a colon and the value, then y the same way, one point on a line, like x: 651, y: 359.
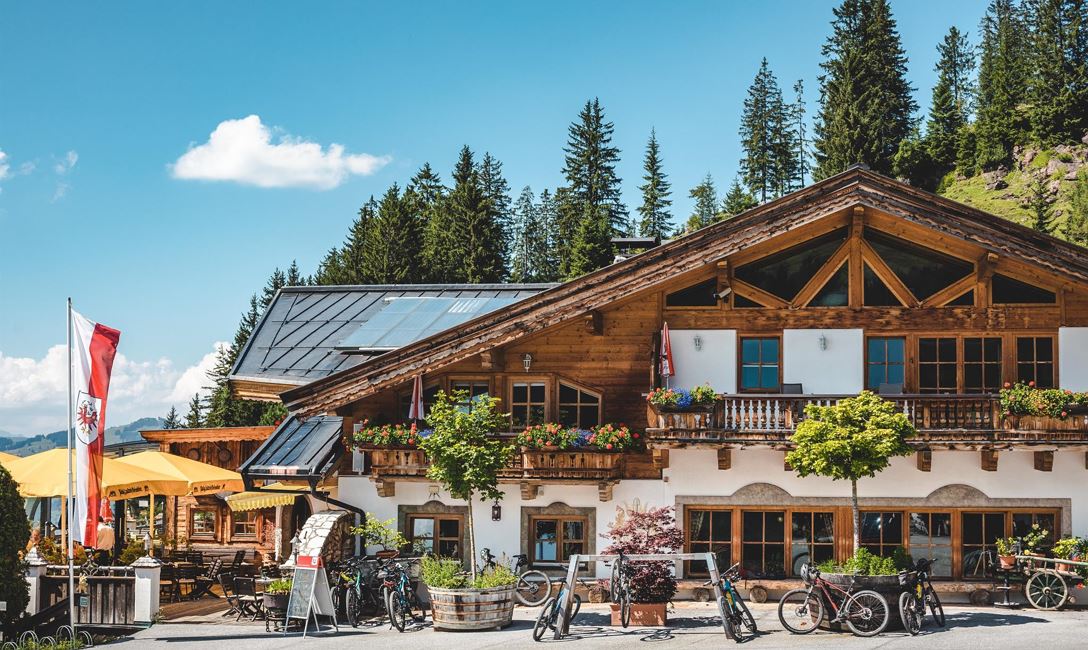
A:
x: 1031, y: 383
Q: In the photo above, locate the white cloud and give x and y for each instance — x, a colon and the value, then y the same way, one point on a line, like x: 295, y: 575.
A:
x: 243, y: 151
x: 32, y: 391
x: 66, y: 164
x: 5, y: 166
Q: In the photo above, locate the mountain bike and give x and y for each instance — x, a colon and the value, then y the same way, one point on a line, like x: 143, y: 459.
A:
x: 356, y: 590
x: 549, y: 615
x: 731, y: 607
x: 620, y: 587
x: 401, y: 601
x: 533, y: 586
x: 917, y: 595
x: 801, y: 611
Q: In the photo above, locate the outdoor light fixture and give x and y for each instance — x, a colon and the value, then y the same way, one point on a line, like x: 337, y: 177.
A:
x: 295, y: 541
x: 527, y: 361
x: 698, y: 341
x: 148, y: 544
x: 496, y: 511
x: 432, y: 492
x: 823, y: 342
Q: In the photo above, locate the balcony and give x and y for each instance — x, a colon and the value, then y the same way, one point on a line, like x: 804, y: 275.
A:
x: 943, y: 422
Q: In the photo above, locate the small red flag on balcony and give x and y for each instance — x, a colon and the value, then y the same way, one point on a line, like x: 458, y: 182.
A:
x: 667, y: 367
x: 415, y: 411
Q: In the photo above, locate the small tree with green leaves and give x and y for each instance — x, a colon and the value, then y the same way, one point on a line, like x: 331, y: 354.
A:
x: 851, y: 440
x: 465, y: 458
x: 14, y: 533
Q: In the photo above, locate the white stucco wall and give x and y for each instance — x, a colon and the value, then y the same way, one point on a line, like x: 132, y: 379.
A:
x: 838, y: 369
x: 1073, y: 358
x: 714, y: 363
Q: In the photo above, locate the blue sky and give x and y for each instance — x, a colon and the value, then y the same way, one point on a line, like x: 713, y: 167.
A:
x: 98, y: 101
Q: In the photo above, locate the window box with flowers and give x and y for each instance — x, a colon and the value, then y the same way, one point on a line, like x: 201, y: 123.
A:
x: 554, y: 451
x: 1027, y: 407
x: 678, y: 408
x: 393, y: 449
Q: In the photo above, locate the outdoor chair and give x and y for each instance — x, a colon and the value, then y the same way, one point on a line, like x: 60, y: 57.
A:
x: 239, y: 557
x: 205, y: 580
x: 226, y: 583
x: 249, y: 599
x: 186, y: 578
x: 792, y: 389
x: 168, y: 583
x: 890, y: 389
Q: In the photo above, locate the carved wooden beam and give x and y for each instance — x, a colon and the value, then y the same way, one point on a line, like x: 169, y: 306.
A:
x: 924, y: 459
x: 1044, y: 461
x: 887, y: 275
x: 759, y: 295
x: 951, y: 292
x: 725, y: 458
x: 661, y: 459
x: 529, y: 491
x: 604, y: 490
x: 856, y: 262
x: 822, y: 275
x: 385, y: 487
x: 989, y: 460
x: 493, y: 360
x: 594, y: 323
x: 984, y: 270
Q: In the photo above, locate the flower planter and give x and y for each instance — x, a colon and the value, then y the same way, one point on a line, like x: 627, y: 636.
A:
x: 1046, y: 423
x: 696, y: 417
x: 396, y: 461
x: 886, y: 586
x: 566, y: 463
x: 466, y: 610
x: 643, y: 614
x: 1007, y: 562
x: 275, y: 602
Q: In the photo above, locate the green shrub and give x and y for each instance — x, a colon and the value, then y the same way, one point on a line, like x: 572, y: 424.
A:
x: 279, y: 587
x: 500, y: 576
x: 442, y: 573
x: 14, y: 534
x: 134, y: 550
x: 865, y: 563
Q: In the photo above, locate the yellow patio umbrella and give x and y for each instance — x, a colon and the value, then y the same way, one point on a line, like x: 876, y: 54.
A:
x: 4, y: 458
x: 45, y: 474
x: 278, y: 494
x: 200, y: 478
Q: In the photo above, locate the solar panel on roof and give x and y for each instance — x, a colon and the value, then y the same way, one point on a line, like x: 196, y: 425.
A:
x: 405, y: 320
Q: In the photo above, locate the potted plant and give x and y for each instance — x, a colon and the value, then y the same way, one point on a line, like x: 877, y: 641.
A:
x: 1006, y: 552
x: 276, y: 595
x: 378, y: 532
x: 1070, y: 548
x: 867, y: 570
x: 465, y: 458
x: 679, y: 408
x: 1034, y: 540
x: 851, y: 440
x: 393, y: 448
x: 652, y: 584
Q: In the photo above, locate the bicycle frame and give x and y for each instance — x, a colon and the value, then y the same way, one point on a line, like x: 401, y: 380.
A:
x: 829, y: 596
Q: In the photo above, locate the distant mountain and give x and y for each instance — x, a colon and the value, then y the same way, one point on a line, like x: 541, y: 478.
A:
x: 26, y: 446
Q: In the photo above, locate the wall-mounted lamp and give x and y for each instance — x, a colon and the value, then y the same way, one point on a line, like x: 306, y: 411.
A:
x: 822, y: 341
x: 432, y: 491
x: 527, y: 361
x: 698, y: 341
x: 496, y: 511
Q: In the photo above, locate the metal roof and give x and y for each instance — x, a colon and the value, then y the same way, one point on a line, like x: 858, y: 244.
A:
x: 311, y: 332
x: 299, y: 449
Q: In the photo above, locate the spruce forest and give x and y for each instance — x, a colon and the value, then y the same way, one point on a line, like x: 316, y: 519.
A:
x: 1006, y: 130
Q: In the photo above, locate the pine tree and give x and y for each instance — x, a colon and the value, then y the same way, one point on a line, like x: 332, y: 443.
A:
x: 195, y: 418
x: 172, y: 420
x: 592, y: 245
x: 478, y: 244
x: 966, y: 154
x: 736, y: 200
x: 592, y: 187
x: 1002, y: 83
x: 705, y: 211
x: 344, y: 265
x: 1076, y: 223
x: 525, y: 229
x: 548, y: 213
x: 1040, y: 206
x: 274, y: 284
x: 225, y: 410
x: 951, y: 103
x: 294, y: 276
x: 654, y: 211
x: 1059, y: 52
x: 866, y: 105
x: 394, y: 239
x: 768, y: 164
x: 497, y: 192
x: 799, y: 137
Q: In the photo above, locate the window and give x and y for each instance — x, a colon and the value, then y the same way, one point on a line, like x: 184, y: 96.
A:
x: 836, y: 293
x: 709, y: 531
x: 430, y: 393
x: 202, y: 522
x: 812, y: 538
x: 555, y: 539
x: 881, y: 532
x: 877, y: 294
x: 436, y: 534
x: 578, y: 408
x: 936, y: 365
x: 1035, y: 360
x: 931, y: 538
x: 1006, y: 290
x: 697, y: 295
x: 740, y: 302
x: 979, y: 531
x: 244, y: 524
x: 885, y: 362
x: 923, y: 271
x: 759, y: 364
x: 474, y: 388
x: 1023, y: 521
x: 527, y: 400
x: 964, y: 300
x: 981, y: 364
x: 784, y: 274
x: 763, y: 538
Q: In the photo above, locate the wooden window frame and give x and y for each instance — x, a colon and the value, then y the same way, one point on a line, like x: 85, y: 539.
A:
x: 908, y: 360
x: 1015, y: 353
x: 435, y: 541
x: 741, y: 337
x: 530, y: 379
x: 687, y: 284
x: 560, y: 538
x: 763, y: 543
x: 203, y: 536
x: 884, y: 543
x: 963, y: 363
x: 956, y: 363
x: 559, y: 383
x: 258, y: 523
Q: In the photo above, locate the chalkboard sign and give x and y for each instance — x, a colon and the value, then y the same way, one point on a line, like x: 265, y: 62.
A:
x: 302, y: 593
x: 310, y: 594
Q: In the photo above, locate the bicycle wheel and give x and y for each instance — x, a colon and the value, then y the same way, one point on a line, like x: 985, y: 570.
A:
x: 575, y: 607
x: 533, y: 588
x: 416, y: 605
x: 746, y: 618
x: 800, y: 612
x: 866, y: 613
x: 397, y: 608
x: 614, y: 583
x: 544, y: 620
x: 935, y: 606
x: 727, y: 618
x: 337, y: 602
x: 625, y: 608
x: 353, y: 607
x: 909, y: 615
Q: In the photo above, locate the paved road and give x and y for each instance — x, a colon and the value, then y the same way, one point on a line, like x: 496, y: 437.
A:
x: 692, y: 625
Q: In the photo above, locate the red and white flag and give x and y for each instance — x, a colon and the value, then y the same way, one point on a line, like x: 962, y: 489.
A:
x: 667, y: 367
x: 93, y: 349
x: 415, y: 411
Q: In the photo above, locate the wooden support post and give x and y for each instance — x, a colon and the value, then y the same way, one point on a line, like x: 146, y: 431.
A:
x: 924, y: 458
x: 1044, y: 461
x: 725, y: 458
x: 385, y: 487
x: 594, y: 322
x: 604, y: 490
x: 529, y: 491
x: 661, y: 459
x: 989, y: 460
x: 855, y: 262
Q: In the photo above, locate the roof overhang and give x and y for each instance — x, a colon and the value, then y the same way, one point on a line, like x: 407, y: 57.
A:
x: 298, y: 450
x: 207, y: 434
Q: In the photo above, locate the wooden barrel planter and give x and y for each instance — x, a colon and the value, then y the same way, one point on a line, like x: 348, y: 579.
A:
x: 466, y: 610
x: 886, y: 586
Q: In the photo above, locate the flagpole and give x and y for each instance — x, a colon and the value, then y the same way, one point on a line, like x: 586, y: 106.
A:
x: 70, y: 503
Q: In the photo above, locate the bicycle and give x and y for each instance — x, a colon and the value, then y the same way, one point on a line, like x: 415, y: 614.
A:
x: 731, y: 606
x: 801, y: 611
x: 919, y: 594
x: 533, y: 587
x: 548, y: 618
x: 401, y: 601
x: 620, y: 587
x: 354, y: 590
